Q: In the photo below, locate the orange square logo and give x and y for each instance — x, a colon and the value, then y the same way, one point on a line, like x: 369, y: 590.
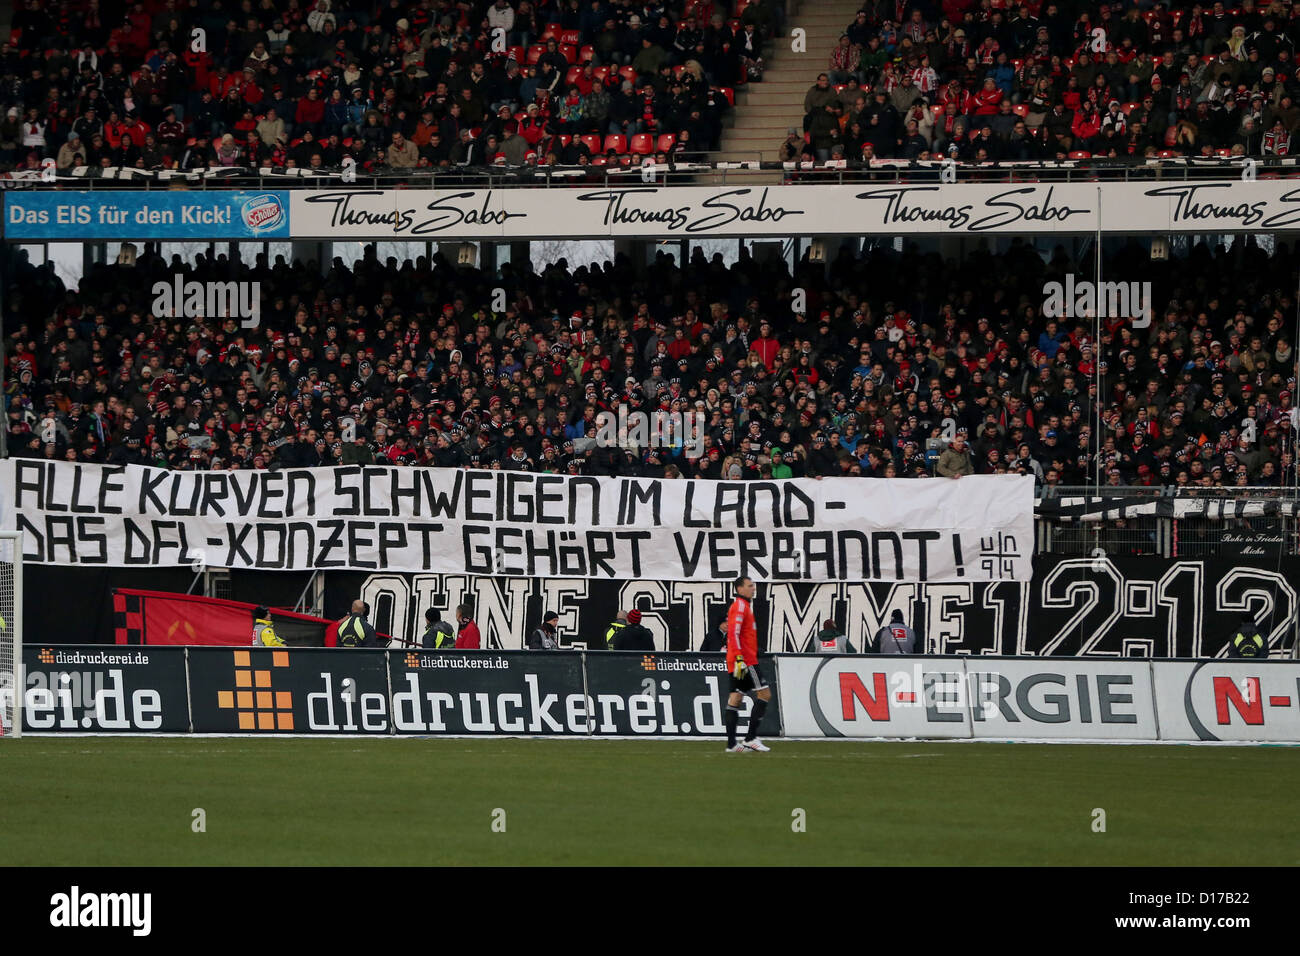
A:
x: 648, y: 663
x: 46, y: 656
x: 261, y: 716
x: 412, y: 660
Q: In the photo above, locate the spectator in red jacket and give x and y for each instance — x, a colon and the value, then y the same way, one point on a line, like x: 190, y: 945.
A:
x: 467, y: 636
x: 310, y: 113
x: 1086, y: 125
x: 988, y: 98
x: 766, y: 345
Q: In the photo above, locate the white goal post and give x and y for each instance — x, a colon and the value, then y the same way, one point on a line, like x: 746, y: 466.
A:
x: 11, y: 634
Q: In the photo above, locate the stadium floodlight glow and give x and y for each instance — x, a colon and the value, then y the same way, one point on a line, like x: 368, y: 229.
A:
x: 11, y: 633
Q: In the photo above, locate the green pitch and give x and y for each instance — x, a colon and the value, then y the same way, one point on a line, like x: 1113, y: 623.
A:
x: 105, y: 801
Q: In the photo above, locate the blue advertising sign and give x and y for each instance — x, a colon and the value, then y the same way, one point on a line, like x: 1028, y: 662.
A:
x: 175, y: 214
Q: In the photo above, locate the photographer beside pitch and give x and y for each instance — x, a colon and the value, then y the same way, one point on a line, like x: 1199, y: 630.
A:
x: 742, y: 664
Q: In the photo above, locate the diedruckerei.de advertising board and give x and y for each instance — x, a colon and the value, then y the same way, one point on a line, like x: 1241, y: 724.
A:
x: 97, y: 688
x: 301, y: 690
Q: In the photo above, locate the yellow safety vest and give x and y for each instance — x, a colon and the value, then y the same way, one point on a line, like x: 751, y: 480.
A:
x: 351, y: 633
x: 264, y: 635
x: 612, y: 633
x: 1256, y: 642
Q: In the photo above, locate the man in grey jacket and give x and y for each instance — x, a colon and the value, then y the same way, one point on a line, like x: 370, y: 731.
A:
x: 831, y: 640
x: 896, y: 637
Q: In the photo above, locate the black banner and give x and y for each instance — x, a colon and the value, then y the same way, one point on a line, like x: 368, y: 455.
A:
x: 300, y: 691
x: 96, y: 689
x: 1104, y: 606
x: 1150, y: 607
x: 1086, y: 606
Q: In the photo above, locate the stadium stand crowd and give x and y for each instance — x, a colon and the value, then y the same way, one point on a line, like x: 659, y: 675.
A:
x: 995, y: 81
x: 393, y: 85
x: 892, y: 346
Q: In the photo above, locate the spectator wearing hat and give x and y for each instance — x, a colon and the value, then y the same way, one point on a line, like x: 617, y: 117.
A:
x: 544, y: 637
x: 634, y: 637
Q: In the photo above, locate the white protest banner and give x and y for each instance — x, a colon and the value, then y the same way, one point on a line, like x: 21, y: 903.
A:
x: 978, y: 528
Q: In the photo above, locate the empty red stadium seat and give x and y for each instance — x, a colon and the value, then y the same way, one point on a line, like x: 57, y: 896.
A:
x: 641, y: 144
x: 591, y: 141
x: 535, y: 53
x: 598, y: 160
x: 600, y: 73
x: 1080, y: 154
x: 1021, y: 109
x: 666, y: 142
x: 570, y: 52
x: 571, y: 76
x: 517, y: 53
x: 615, y: 142
x: 587, y: 54
x: 729, y: 93
x: 627, y: 73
